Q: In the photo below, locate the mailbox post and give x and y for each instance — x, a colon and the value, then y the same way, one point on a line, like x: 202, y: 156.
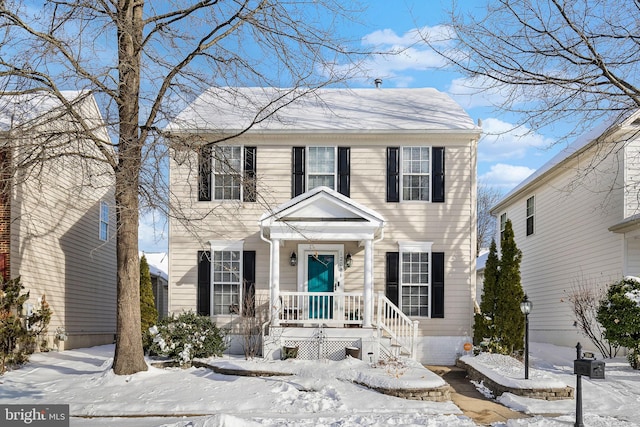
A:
x: 594, y: 369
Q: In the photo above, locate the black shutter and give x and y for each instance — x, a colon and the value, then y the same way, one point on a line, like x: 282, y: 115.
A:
x: 204, y: 283
x: 437, y: 171
x: 393, y: 174
x: 392, y: 276
x: 297, y: 171
x: 204, y: 173
x: 249, y: 174
x: 344, y: 170
x: 249, y: 283
x: 437, y: 285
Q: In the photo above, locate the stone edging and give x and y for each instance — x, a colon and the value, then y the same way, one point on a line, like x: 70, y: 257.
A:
x: 437, y: 394
x: 563, y: 393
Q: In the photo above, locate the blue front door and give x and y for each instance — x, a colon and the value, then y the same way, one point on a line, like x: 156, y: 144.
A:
x: 321, y: 279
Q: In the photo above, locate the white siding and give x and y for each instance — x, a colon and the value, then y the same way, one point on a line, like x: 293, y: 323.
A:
x: 571, y: 243
x: 450, y: 225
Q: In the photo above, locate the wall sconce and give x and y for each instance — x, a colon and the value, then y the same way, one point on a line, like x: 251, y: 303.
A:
x: 293, y: 260
x: 348, y: 261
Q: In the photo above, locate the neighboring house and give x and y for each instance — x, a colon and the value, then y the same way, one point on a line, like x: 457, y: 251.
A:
x: 57, y: 226
x: 158, y: 267
x: 345, y: 207
x: 481, y: 262
x: 577, y: 221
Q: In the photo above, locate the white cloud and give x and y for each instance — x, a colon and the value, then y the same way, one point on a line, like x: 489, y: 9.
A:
x: 505, y: 176
x: 152, y: 233
x: 503, y: 141
x: 476, y: 92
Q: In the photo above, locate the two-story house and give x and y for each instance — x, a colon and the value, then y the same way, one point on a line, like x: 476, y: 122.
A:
x: 577, y: 221
x: 57, y: 214
x: 348, y: 214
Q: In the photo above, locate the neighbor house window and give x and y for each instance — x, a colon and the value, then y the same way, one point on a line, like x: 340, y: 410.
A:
x: 226, y: 277
x: 414, y: 278
x: 104, y: 221
x: 416, y: 173
x: 530, y: 212
x: 227, y: 173
x: 503, y: 224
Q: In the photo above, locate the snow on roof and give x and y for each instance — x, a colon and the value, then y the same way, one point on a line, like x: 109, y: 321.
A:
x: 19, y: 109
x: 581, y: 143
x: 330, y: 110
x: 158, y: 263
x: 481, y: 260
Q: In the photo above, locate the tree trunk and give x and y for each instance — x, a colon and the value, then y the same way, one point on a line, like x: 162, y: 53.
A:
x: 129, y: 354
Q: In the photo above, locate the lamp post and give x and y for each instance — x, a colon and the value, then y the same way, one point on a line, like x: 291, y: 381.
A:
x: 525, y: 307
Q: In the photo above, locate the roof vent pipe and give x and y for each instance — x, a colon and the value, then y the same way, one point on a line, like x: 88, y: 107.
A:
x: 378, y: 82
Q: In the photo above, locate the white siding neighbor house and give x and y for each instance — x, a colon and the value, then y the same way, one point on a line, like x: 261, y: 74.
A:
x: 57, y: 215
x: 344, y: 217
x: 577, y: 222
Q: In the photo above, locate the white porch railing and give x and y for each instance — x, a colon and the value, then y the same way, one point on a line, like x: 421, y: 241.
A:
x: 329, y: 308
x: 340, y: 309
x: 393, y: 323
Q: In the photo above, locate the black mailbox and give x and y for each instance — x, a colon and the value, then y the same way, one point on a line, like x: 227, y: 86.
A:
x: 594, y: 369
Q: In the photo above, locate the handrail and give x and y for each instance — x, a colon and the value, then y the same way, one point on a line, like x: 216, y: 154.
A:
x: 401, y: 329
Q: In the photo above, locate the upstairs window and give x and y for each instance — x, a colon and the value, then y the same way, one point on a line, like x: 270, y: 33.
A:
x: 530, y: 213
x: 320, y: 166
x: 104, y: 221
x: 227, y: 173
x: 415, y: 174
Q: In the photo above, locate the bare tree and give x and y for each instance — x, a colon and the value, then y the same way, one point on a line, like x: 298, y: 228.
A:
x: 488, y: 196
x: 143, y: 63
x: 567, y: 61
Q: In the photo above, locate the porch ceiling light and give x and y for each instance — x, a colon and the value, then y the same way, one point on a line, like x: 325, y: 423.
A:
x: 293, y: 260
x: 348, y: 261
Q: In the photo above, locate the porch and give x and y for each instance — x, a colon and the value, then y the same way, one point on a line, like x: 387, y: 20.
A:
x: 324, y: 324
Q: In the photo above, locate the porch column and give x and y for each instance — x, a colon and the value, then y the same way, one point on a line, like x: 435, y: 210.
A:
x: 275, y: 282
x: 368, y: 283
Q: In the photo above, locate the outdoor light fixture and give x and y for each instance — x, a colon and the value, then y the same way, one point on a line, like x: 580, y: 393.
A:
x: 348, y: 261
x: 525, y: 307
x: 293, y: 260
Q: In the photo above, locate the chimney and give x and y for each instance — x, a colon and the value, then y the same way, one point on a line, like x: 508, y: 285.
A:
x: 378, y: 82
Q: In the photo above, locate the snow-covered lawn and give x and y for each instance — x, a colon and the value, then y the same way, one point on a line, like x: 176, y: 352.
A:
x: 319, y: 393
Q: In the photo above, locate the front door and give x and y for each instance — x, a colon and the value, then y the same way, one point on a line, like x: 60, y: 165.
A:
x: 321, y: 279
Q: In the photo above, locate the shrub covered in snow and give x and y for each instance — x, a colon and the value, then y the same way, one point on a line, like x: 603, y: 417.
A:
x: 619, y: 314
x: 186, y: 337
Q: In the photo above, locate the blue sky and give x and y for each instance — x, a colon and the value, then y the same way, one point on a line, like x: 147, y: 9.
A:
x: 505, y: 156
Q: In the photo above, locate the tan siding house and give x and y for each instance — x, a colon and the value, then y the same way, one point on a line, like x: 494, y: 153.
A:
x: 60, y: 233
x: 344, y: 208
x: 575, y: 221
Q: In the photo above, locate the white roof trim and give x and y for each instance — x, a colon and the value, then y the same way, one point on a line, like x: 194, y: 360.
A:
x: 322, y: 214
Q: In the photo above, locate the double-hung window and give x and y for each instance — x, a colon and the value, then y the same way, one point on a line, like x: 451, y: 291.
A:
x: 531, y: 207
x: 227, y: 173
x: 503, y: 224
x: 416, y: 173
x: 321, y: 167
x: 226, y: 277
x: 414, y: 278
x: 104, y: 221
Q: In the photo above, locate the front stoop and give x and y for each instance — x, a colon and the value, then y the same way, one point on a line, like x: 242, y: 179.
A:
x: 563, y: 393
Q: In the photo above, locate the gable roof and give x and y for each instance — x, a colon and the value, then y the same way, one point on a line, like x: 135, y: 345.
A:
x: 19, y: 109
x: 579, y: 145
x: 324, y: 214
x: 323, y: 110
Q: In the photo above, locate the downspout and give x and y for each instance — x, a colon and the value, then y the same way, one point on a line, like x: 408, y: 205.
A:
x: 271, y: 303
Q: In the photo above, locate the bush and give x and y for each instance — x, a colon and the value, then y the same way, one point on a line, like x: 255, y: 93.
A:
x: 19, y: 333
x: 619, y: 314
x: 148, y: 311
x: 185, y: 338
